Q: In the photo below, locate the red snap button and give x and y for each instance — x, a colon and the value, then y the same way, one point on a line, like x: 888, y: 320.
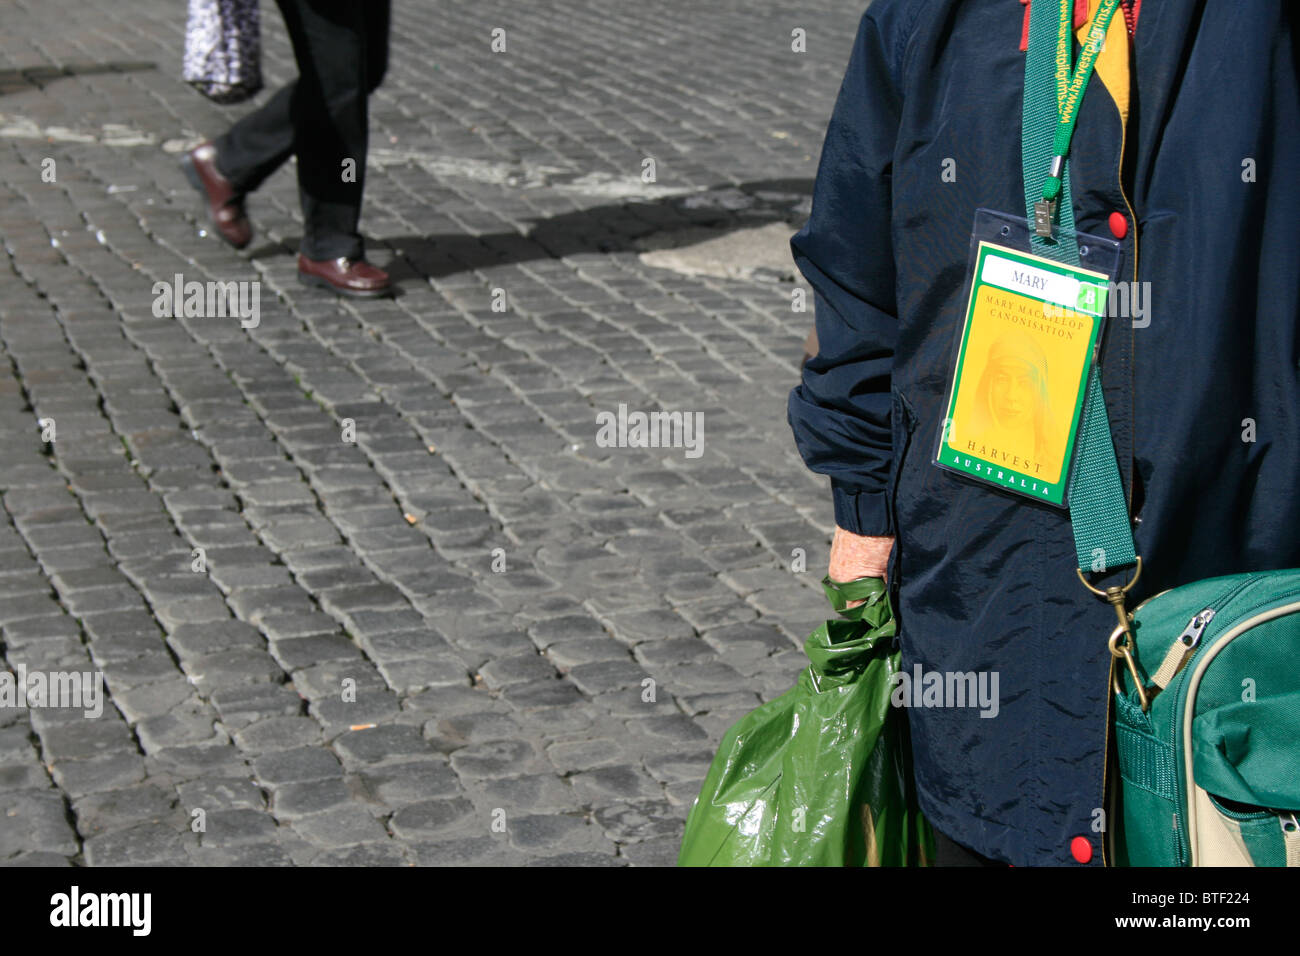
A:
x: 1081, y: 848
x: 1118, y: 225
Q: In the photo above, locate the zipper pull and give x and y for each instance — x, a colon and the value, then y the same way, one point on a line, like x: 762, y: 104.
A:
x: 1182, y: 648
x: 1191, y: 635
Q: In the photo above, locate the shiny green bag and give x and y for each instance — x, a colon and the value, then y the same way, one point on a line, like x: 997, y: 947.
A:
x: 822, y: 775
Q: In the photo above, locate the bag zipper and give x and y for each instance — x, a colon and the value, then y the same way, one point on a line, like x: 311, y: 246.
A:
x: 1242, y: 816
x: 1182, y: 798
x: 1196, y: 633
x: 1214, y: 609
x: 1201, y: 619
x: 1180, y: 651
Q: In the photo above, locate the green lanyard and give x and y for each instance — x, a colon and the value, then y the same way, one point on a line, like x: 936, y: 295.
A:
x: 1098, y: 509
x: 1069, y: 94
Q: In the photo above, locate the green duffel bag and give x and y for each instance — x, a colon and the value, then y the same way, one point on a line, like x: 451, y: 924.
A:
x: 1209, y: 768
x: 822, y: 775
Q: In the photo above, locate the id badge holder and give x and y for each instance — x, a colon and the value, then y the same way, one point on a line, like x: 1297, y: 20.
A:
x: 1022, y: 361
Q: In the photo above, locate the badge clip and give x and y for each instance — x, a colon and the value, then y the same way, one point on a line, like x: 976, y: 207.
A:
x: 1045, y: 209
x: 1044, y: 214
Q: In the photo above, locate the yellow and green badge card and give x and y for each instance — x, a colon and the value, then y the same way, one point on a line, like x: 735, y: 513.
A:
x: 1030, y: 337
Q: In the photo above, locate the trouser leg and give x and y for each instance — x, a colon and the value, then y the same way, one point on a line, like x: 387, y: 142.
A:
x: 378, y: 19
x: 948, y: 852
x: 338, y: 47
x: 259, y: 143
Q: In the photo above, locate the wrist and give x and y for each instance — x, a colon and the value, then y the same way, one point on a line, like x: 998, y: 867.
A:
x: 859, y: 556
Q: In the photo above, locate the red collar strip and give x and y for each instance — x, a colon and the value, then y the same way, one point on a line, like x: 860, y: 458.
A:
x: 1132, y: 10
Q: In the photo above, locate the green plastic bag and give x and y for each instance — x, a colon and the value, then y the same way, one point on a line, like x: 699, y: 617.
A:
x: 822, y: 775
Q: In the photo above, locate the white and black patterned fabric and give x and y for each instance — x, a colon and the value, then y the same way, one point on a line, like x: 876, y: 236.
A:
x: 223, y: 54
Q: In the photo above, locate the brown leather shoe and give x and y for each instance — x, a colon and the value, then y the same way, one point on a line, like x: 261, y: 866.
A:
x: 225, y: 206
x: 354, y: 277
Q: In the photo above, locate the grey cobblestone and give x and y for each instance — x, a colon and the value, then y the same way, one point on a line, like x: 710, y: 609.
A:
x: 473, y: 851
x: 661, y: 851
x: 574, y: 755
x: 296, y: 800
x: 277, y: 733
x: 398, y: 785
x: 111, y: 772
x: 226, y: 829
x: 191, y: 723
x: 221, y: 793
x: 366, y: 854
x: 35, y: 821
x: 431, y: 818
x: 36, y: 859
x: 354, y: 674
x: 240, y: 706
x: 147, y: 843
x: 195, y: 760
x: 256, y: 854
x: 554, y: 833
x: 300, y: 765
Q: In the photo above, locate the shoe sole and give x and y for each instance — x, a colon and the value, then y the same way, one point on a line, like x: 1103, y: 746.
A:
x: 192, y: 174
x: 319, y: 283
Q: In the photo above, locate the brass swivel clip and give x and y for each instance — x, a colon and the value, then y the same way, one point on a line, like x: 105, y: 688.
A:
x: 1116, y: 595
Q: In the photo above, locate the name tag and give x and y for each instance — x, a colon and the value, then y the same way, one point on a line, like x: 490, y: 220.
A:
x: 1017, y: 388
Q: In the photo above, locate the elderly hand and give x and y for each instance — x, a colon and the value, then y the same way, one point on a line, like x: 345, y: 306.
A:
x: 856, y: 556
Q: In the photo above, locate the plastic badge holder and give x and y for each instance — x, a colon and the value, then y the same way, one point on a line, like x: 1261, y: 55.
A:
x: 1030, y: 355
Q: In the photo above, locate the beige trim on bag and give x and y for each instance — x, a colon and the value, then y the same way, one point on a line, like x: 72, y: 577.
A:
x: 1291, y: 837
x: 1194, y: 835
x: 1219, y: 837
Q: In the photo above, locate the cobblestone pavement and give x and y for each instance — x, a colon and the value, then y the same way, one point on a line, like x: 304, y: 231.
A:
x: 367, y: 642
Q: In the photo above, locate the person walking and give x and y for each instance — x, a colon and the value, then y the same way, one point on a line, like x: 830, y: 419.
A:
x: 341, y: 49
x: 1177, y: 144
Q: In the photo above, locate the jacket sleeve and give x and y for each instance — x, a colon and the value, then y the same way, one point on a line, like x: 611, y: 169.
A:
x: 840, y: 412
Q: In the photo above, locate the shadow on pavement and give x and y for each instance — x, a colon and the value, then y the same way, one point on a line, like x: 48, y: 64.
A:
x: 13, y: 81
x: 625, y: 226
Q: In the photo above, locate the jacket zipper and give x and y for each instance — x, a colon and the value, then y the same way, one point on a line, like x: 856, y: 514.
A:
x: 1132, y: 356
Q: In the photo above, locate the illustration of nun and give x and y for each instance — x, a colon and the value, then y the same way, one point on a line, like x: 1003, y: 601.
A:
x: 1012, y: 412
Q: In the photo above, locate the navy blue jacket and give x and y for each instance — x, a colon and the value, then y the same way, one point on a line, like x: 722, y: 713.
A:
x: 983, y: 580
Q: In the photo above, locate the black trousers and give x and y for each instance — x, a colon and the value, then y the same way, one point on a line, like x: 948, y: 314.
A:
x: 342, y: 51
x: 948, y: 852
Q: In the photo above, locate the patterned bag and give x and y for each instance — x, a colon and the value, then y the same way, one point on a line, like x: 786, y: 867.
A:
x: 223, y: 55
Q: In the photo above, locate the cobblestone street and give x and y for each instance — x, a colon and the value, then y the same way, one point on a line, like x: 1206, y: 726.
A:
x: 363, y: 585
